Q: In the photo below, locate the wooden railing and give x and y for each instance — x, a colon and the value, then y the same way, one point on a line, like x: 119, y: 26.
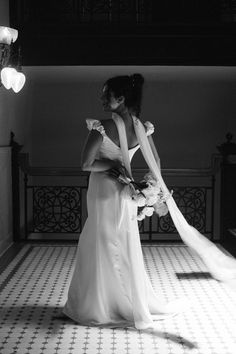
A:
x: 54, y: 200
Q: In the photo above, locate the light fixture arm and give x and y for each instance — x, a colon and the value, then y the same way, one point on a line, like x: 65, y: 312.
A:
x: 5, y: 53
x: 10, y: 61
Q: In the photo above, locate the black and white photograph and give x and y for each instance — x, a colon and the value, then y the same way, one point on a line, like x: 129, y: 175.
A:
x: 117, y: 177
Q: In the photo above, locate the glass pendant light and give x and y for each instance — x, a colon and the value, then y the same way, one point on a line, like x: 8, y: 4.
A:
x: 18, y: 81
x: 11, y: 74
x: 18, y: 78
x: 8, y: 77
x: 8, y: 35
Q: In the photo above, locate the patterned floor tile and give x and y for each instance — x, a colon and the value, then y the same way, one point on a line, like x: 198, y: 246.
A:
x: 34, y: 287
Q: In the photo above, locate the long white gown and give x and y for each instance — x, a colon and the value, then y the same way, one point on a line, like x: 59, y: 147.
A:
x: 110, y: 286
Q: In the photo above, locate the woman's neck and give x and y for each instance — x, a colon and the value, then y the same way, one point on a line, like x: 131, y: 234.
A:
x: 124, y: 114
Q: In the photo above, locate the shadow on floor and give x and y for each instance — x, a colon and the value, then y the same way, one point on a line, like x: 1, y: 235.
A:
x: 194, y: 275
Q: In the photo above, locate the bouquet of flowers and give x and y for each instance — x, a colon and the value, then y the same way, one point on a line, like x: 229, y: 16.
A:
x: 148, y: 195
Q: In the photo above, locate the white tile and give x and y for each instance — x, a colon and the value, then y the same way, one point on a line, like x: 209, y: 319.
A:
x: 209, y: 323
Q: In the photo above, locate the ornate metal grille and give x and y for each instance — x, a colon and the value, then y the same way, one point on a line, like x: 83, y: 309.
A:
x: 109, y: 11
x: 120, y: 11
x: 56, y: 209
x: 192, y: 203
x: 196, y: 204
x: 82, y: 11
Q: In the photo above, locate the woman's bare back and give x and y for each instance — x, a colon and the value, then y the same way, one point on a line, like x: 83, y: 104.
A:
x: 112, y: 132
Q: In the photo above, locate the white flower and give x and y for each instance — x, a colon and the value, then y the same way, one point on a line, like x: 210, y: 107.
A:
x: 151, y: 196
x: 148, y: 199
x: 141, y: 200
x: 148, y: 211
x: 148, y: 191
x: 161, y: 208
x: 165, y: 196
x: 151, y: 200
x: 140, y: 216
x: 152, y: 182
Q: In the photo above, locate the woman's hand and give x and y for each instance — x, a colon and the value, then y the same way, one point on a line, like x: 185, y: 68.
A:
x: 119, y: 173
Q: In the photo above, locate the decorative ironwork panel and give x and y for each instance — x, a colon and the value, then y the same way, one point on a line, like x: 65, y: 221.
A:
x: 57, y: 209
x: 109, y: 11
x: 90, y: 10
x: 228, y: 10
x: 192, y: 202
x: 113, y: 11
x: 82, y: 11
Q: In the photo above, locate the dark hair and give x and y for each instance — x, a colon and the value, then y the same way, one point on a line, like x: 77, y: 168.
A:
x: 130, y: 87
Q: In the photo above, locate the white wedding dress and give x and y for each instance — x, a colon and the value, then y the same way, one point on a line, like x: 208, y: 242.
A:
x: 110, y: 286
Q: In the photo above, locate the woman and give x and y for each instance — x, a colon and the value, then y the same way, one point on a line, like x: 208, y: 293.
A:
x: 109, y: 284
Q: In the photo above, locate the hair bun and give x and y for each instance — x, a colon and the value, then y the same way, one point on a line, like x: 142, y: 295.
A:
x: 137, y: 80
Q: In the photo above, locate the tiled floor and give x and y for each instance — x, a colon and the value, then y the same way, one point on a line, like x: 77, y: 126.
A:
x: 33, y: 290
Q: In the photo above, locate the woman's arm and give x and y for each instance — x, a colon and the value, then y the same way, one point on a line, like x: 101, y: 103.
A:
x: 154, y: 150
x: 90, y: 150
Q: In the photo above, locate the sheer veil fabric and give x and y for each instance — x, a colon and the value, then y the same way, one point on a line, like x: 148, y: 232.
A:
x: 221, y: 266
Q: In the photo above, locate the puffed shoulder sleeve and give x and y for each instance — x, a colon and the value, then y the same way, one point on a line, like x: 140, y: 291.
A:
x: 94, y: 124
x: 149, y: 128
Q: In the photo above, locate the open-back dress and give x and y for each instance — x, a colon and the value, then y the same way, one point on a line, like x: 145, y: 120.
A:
x: 110, y: 286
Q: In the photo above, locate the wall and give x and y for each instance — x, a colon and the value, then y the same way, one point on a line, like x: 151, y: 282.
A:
x: 15, y: 115
x: 5, y: 199
x: 192, y: 109
x: 4, y: 13
x: 5, y: 170
x: 5, y: 174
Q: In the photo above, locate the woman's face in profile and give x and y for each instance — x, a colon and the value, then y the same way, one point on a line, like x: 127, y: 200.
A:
x: 109, y: 102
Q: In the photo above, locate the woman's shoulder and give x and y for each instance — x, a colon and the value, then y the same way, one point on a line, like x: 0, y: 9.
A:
x: 103, y: 125
x: 95, y: 124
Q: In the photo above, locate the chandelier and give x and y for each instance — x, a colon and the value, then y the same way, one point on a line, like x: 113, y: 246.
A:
x: 11, y: 74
